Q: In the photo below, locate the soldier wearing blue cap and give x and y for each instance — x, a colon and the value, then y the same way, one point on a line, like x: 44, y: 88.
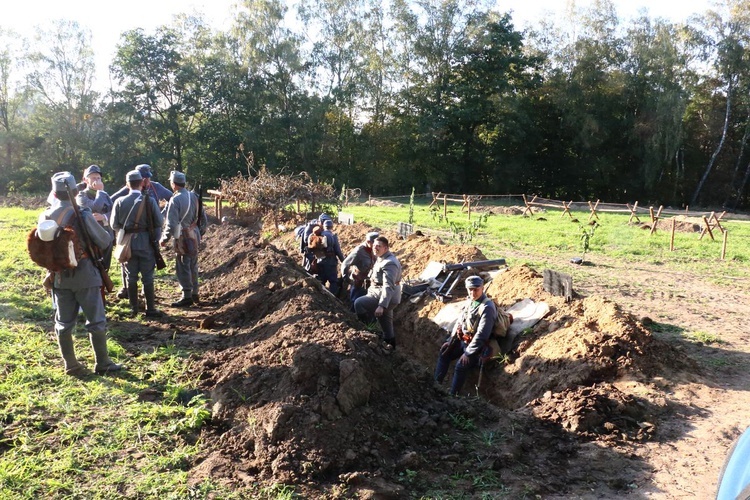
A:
x: 131, y: 214
x: 328, y: 266
x: 79, y: 288
x: 356, y: 266
x: 94, y: 197
x: 384, y: 293
x: 469, y: 337
x: 185, y: 225
x: 155, y: 191
x: 308, y: 257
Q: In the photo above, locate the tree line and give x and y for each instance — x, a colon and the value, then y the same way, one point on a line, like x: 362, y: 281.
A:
x: 441, y: 95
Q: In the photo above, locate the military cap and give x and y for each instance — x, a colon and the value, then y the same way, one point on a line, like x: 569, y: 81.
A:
x: 328, y: 224
x: 133, y: 175
x: 145, y: 170
x: 371, y: 236
x: 474, y: 282
x: 61, y: 181
x: 177, y: 177
x: 92, y: 169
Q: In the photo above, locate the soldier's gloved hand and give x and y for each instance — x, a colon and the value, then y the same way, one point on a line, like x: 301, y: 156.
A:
x: 464, y: 360
x: 444, y: 348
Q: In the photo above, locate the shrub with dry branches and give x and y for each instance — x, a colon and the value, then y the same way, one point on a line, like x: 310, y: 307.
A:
x: 264, y: 193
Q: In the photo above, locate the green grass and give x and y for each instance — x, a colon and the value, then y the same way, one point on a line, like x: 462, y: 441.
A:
x: 90, y: 437
x: 535, y: 241
x: 95, y: 437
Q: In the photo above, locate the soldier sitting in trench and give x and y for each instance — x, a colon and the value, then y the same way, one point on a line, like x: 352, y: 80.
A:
x: 470, y: 336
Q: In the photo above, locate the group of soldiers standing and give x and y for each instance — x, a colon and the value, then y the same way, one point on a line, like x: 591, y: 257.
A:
x: 99, y: 220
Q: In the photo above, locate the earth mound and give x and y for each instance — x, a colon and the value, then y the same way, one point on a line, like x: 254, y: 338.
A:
x: 305, y: 394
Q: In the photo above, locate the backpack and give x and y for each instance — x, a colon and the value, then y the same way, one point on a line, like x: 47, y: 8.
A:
x: 317, y: 242
x: 503, y: 320
x: 62, y: 252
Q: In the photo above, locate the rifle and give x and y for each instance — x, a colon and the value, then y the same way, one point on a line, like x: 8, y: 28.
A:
x: 160, y: 264
x: 94, y: 251
x: 200, y: 208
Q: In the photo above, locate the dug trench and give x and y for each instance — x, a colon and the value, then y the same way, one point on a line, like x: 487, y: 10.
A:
x: 304, y: 394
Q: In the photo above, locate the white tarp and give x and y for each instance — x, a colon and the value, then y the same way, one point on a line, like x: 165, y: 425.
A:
x: 526, y: 313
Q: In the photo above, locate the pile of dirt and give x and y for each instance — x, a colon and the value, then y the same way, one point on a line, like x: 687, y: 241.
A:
x: 513, y: 210
x: 599, y: 412
x: 383, y: 203
x: 304, y: 394
x: 682, y: 224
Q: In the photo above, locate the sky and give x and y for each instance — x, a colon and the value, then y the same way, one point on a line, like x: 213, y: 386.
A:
x: 107, y: 20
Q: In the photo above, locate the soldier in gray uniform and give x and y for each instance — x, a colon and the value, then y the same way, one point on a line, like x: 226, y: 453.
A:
x: 79, y: 288
x: 184, y: 225
x: 130, y: 214
x: 384, y: 293
x: 357, y: 265
x: 154, y: 190
x: 92, y: 195
x: 469, y: 336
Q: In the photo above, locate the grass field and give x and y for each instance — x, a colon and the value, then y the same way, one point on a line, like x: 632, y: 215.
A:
x: 94, y: 437
x: 98, y: 437
x: 548, y: 236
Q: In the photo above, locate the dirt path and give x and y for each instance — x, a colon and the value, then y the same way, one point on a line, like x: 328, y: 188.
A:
x: 713, y: 409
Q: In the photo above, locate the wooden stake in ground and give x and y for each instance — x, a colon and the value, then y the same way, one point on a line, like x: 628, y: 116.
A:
x: 528, y: 205
x: 566, y: 209
x: 724, y: 246
x: 632, y: 212
x: 654, y: 218
x: 218, y: 200
x: 593, y: 210
x: 707, y: 229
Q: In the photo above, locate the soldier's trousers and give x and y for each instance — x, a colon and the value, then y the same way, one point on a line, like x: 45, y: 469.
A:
x: 187, y: 275
x: 366, y: 306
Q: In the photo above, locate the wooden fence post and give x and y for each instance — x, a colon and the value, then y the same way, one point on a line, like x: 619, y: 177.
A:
x: 633, y: 212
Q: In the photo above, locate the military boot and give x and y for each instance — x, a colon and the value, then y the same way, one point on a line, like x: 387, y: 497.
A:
x: 133, y: 297
x: 103, y: 363
x: 185, y: 301
x: 151, y: 310
x: 72, y: 366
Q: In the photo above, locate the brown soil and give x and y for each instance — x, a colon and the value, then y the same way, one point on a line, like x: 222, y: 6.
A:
x: 592, y: 404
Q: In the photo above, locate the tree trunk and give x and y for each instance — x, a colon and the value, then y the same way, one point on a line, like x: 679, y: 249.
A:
x: 718, y: 148
x: 732, y: 192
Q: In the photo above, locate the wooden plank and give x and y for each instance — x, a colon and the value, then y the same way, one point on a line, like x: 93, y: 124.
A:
x: 558, y: 284
x: 593, y: 210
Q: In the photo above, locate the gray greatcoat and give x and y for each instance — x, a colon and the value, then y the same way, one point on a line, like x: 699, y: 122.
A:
x: 182, y: 213
x: 80, y: 288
